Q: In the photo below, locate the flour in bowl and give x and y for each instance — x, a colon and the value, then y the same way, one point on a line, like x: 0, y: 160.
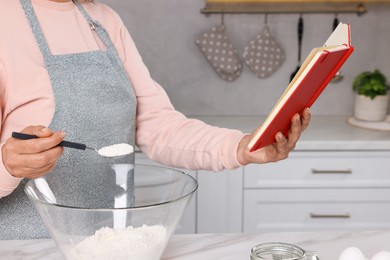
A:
x: 116, y: 150
x: 141, y: 243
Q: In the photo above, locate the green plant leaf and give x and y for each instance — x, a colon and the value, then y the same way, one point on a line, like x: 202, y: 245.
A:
x: 370, y: 84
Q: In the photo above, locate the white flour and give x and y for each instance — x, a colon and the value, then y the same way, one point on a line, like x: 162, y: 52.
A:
x: 142, y: 243
x: 116, y: 150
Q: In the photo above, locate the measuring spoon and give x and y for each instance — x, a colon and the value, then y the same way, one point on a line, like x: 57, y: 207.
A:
x: 107, y: 151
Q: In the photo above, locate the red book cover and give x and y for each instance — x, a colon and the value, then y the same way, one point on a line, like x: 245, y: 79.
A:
x: 314, y: 75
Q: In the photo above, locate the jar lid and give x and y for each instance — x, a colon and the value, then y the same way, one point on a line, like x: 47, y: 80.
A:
x: 280, y: 251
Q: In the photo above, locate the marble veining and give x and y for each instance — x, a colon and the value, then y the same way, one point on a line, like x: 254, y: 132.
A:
x: 232, y: 246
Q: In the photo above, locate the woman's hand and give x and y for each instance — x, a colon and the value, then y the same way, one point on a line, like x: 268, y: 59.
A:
x: 35, y: 157
x: 280, y: 149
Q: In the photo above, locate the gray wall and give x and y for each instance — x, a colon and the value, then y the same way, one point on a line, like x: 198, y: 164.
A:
x: 165, y: 30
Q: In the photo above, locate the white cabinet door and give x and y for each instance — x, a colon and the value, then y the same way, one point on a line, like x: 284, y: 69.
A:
x: 316, y: 209
x: 322, y: 169
x: 220, y: 201
x: 188, y: 221
x: 316, y: 190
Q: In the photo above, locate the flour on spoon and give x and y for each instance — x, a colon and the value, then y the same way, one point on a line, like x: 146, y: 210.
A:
x: 116, y: 150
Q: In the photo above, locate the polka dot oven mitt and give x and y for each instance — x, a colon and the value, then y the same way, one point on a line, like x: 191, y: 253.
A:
x: 220, y: 53
x: 263, y: 55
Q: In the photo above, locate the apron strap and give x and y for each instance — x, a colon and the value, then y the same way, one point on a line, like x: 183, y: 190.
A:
x: 36, y: 28
x: 111, y: 50
x: 95, y: 25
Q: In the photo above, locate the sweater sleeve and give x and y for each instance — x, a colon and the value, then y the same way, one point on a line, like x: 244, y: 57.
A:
x: 165, y: 134
x: 7, y: 182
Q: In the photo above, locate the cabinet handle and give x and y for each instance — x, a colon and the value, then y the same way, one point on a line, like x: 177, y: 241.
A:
x: 315, y: 215
x: 317, y: 171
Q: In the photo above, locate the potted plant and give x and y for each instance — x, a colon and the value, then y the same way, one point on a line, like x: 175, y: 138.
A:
x: 371, y: 99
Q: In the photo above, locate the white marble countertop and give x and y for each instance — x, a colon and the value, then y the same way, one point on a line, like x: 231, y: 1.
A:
x: 323, y: 133
x: 328, y: 245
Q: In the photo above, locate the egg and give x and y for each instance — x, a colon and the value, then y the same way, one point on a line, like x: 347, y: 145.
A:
x: 383, y: 255
x: 352, y: 253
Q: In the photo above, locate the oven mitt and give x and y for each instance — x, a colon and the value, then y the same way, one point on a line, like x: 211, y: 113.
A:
x: 220, y: 53
x: 264, y: 55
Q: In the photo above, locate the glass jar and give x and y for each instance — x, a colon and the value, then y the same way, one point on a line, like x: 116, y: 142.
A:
x: 281, y: 251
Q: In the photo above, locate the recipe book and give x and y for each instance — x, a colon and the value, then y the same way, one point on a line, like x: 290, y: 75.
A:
x: 316, y: 72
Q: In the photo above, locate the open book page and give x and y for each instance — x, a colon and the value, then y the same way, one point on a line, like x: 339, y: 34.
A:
x: 341, y: 35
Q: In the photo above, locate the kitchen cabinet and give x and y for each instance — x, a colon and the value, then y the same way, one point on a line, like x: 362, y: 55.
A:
x: 318, y: 191
x: 270, y: 210
x: 219, y: 207
x: 323, y: 169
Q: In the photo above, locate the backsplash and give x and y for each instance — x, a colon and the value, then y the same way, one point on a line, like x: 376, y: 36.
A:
x: 165, y: 33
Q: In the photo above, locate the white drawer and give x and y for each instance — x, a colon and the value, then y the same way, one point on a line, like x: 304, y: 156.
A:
x: 322, y: 169
x: 316, y: 209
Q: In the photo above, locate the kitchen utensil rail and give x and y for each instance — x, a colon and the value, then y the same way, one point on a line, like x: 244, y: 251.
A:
x: 294, y: 6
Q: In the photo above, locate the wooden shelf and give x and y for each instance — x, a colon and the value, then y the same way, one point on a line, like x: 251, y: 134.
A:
x: 289, y: 6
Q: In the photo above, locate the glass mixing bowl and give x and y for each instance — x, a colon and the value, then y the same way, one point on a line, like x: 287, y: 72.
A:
x: 112, y: 211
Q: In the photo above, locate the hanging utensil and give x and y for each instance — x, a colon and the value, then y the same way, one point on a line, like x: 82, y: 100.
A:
x: 339, y: 75
x: 300, y: 36
x: 335, y: 22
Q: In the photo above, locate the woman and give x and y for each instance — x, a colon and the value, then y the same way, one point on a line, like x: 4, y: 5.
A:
x: 71, y: 69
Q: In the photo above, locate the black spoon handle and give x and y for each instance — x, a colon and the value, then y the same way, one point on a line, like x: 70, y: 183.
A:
x: 68, y: 144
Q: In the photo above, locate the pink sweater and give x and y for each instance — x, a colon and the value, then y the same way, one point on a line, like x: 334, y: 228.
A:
x: 26, y: 97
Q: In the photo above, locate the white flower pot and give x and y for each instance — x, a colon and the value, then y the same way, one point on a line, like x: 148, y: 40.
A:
x: 368, y: 109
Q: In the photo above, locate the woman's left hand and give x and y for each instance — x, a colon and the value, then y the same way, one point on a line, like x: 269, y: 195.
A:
x: 280, y: 149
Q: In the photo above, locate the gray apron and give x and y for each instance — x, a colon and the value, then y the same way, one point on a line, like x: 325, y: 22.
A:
x: 95, y: 105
